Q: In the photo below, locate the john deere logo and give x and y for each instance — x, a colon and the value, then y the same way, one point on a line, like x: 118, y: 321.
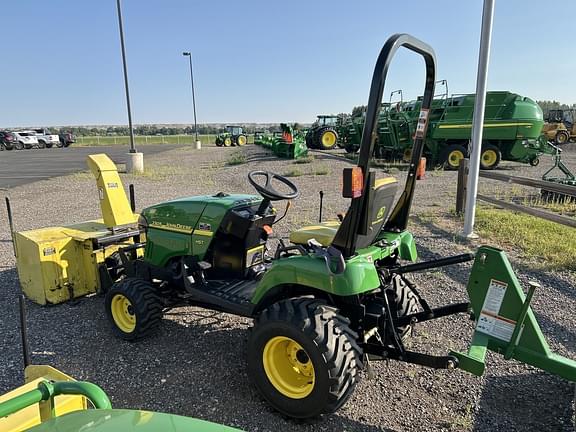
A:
x: 381, y: 212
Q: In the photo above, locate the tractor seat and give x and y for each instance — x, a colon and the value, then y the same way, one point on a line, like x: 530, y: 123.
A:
x: 323, y: 233
x: 381, y: 199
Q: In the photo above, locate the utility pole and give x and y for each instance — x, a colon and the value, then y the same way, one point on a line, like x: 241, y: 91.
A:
x: 189, y: 55
x: 478, y: 120
x: 135, y: 160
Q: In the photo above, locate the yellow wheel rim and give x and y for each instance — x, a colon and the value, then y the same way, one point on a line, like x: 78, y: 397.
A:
x: 227, y: 142
x: 489, y: 157
x: 288, y: 367
x: 561, y: 138
x: 328, y: 139
x: 241, y: 140
x: 123, y: 313
x: 454, y: 158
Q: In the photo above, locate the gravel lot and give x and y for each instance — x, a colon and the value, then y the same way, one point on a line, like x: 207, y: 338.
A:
x: 194, y: 365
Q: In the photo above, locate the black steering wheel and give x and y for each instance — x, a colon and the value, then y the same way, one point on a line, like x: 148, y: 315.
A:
x: 268, y: 191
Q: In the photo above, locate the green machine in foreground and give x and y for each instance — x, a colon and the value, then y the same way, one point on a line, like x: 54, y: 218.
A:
x: 337, y: 296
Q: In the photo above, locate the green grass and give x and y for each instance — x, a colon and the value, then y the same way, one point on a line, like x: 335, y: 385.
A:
x: 158, y: 172
x: 308, y: 159
x: 551, y: 243
x: 144, y: 140
x: 237, y: 158
x: 319, y: 171
x: 293, y: 173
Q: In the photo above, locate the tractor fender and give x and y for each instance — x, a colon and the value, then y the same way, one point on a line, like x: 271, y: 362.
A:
x: 310, y: 273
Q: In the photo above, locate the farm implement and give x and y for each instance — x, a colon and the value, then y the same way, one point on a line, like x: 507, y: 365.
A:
x: 512, y: 130
x: 334, y: 298
x: 566, y: 177
x: 288, y: 143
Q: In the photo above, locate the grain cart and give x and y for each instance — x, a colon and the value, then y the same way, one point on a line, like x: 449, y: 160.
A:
x: 323, y: 133
x: 335, y: 298
x: 234, y: 136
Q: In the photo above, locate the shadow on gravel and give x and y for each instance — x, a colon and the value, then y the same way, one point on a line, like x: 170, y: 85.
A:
x: 534, y: 401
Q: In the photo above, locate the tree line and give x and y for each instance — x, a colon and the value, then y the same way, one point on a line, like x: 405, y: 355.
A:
x: 151, y: 130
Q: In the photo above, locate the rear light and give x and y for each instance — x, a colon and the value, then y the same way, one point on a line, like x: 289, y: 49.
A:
x: 353, y: 182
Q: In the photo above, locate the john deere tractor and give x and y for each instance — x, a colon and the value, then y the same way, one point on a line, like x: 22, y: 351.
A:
x: 335, y: 297
x: 234, y: 136
x: 323, y: 133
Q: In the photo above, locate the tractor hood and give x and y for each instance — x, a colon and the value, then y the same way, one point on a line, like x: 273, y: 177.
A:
x: 183, y: 214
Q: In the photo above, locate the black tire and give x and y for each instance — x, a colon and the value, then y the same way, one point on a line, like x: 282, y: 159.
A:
x: 41, y: 144
x: 309, y: 139
x: 407, y: 303
x: 490, y: 157
x: 8, y: 147
x: 60, y: 144
x: 351, y: 148
x: 145, y: 308
x: 19, y: 145
x: 448, y: 159
x: 534, y: 161
x: 327, y: 344
x: 48, y: 145
x: 325, y: 132
x: 562, y: 137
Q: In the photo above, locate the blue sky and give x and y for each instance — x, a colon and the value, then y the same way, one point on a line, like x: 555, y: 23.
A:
x: 258, y: 61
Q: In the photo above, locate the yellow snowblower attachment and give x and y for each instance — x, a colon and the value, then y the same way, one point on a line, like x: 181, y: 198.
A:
x: 59, y: 263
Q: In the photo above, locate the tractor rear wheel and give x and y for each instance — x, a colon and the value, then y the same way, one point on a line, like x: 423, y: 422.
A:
x: 241, y: 140
x: 490, y: 157
x: 452, y: 156
x: 407, y: 303
x: 327, y: 138
x: 303, y: 357
x: 562, y: 137
x: 133, y: 308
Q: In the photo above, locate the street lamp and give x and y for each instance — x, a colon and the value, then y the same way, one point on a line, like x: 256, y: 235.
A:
x: 189, y: 55
x: 132, y: 147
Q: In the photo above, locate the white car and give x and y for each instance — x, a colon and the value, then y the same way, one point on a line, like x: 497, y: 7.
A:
x: 25, y: 140
x: 45, y: 138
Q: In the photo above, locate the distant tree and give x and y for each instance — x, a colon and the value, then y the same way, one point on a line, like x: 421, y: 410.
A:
x: 358, y: 110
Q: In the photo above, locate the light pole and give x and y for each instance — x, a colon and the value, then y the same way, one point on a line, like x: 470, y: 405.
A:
x: 135, y: 160
x: 189, y: 55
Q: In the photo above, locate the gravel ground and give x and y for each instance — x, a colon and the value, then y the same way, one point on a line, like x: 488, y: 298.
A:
x: 194, y: 365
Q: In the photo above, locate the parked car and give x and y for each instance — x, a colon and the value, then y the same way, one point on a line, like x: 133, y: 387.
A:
x: 46, y: 138
x: 7, y: 140
x: 66, y: 139
x: 25, y: 140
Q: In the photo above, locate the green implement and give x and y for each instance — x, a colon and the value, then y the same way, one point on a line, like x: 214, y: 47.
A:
x: 505, y: 322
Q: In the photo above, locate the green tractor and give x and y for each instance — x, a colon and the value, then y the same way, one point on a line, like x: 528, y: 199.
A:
x: 323, y: 133
x: 234, y: 136
x: 330, y: 301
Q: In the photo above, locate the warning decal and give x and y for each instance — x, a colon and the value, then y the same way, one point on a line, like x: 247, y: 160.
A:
x: 422, y: 123
x: 489, y: 322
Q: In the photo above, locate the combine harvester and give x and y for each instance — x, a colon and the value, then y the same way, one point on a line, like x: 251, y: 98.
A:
x: 325, y: 305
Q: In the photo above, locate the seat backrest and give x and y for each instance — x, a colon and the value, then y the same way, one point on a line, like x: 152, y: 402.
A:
x: 380, y: 203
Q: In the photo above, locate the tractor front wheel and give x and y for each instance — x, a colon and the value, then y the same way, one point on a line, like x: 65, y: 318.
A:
x: 303, y: 357
x: 133, y: 308
x: 227, y: 142
x: 327, y: 139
